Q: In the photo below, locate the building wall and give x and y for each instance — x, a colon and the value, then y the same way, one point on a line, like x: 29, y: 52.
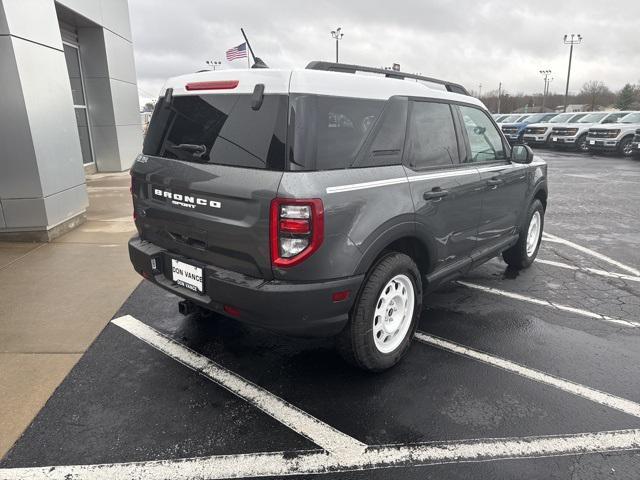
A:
x: 42, y: 183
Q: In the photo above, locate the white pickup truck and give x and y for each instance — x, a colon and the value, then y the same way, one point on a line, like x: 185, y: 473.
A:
x: 539, y: 133
x: 635, y: 146
x: 575, y: 135
x: 616, y: 137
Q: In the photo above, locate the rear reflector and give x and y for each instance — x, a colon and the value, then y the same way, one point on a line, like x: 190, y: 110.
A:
x: 217, y: 85
x: 233, y: 311
x: 340, y: 296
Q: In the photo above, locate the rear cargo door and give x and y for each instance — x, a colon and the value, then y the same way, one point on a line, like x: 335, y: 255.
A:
x: 212, y: 164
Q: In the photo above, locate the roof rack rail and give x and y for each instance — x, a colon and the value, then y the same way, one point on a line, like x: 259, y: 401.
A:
x: 346, y: 68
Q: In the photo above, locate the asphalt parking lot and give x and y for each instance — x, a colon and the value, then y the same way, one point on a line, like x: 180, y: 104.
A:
x: 530, y: 375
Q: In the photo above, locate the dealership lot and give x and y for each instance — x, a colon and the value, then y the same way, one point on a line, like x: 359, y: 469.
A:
x: 530, y: 375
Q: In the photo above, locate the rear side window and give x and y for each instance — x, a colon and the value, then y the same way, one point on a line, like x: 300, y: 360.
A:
x: 387, y: 142
x: 220, y: 129
x: 327, y: 133
x: 431, y: 136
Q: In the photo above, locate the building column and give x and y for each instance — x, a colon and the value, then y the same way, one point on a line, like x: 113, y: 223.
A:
x: 112, y: 93
x: 42, y: 183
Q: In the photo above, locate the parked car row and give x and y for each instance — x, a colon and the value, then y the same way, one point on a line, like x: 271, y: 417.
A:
x: 617, y: 132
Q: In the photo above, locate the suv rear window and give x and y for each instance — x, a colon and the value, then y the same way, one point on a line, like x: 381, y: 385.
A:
x: 221, y: 129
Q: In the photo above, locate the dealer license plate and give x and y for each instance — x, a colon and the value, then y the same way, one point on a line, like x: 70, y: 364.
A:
x: 187, y: 276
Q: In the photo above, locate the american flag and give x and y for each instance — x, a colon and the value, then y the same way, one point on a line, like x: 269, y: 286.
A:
x: 237, y: 52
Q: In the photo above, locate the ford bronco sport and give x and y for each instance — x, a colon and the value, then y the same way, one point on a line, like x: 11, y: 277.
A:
x: 322, y: 202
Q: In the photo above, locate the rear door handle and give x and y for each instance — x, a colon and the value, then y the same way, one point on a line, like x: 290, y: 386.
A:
x: 495, y: 181
x: 434, y: 194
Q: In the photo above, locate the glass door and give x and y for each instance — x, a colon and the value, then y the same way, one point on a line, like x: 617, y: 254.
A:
x: 72, y: 57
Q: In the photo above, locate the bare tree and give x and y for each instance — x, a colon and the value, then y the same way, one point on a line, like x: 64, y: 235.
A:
x: 595, y: 93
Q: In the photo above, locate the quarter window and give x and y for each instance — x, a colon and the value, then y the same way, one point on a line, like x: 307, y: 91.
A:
x: 431, y: 139
x: 484, y: 139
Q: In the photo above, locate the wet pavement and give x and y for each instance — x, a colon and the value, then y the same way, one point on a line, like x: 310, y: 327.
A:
x: 529, y: 375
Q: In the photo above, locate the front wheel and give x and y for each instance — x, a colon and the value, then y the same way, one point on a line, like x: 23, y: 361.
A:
x: 385, y: 315
x: 523, y: 253
x: 581, y: 143
x: 626, y: 147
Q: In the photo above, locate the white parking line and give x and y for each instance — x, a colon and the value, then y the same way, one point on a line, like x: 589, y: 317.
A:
x: 546, y: 303
x: 279, y: 464
x: 618, y: 403
x: 299, y: 421
x: 595, y: 271
x: 553, y: 238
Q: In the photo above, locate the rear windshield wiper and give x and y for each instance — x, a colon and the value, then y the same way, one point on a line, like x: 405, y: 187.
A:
x: 198, y: 151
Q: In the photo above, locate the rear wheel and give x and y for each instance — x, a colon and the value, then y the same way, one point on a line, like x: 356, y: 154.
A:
x: 385, y: 315
x: 523, y: 253
x: 626, y: 147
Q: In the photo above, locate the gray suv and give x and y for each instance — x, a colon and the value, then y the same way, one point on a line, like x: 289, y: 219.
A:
x: 323, y: 202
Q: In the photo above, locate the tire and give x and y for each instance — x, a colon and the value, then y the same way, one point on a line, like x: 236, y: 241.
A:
x: 625, y: 148
x: 381, y: 291
x: 523, y: 253
x: 581, y: 144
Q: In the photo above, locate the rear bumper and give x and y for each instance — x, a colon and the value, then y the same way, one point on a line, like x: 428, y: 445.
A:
x: 293, y: 308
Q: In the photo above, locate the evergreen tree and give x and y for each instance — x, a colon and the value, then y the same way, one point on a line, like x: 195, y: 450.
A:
x: 625, y: 97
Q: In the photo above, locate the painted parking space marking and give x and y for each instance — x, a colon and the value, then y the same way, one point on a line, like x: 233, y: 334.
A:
x: 323, y: 435
x: 546, y: 303
x: 595, y: 271
x: 597, y: 396
x: 555, y: 239
x: 274, y: 464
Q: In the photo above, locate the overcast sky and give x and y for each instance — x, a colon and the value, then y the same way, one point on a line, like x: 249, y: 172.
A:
x: 467, y: 41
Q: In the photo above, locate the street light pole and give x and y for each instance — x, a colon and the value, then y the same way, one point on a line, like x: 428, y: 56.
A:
x: 570, y: 40
x: 545, y: 74
x: 337, y: 34
x: 499, y: 95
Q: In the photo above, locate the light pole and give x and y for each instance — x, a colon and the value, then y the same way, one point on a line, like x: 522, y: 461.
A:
x: 499, y: 95
x: 545, y: 74
x: 337, y: 34
x: 570, y: 40
x: 213, y: 64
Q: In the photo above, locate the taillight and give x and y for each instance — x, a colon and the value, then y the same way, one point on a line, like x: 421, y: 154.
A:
x: 297, y: 230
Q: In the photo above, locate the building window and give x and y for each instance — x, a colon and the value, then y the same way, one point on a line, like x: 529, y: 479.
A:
x: 72, y: 57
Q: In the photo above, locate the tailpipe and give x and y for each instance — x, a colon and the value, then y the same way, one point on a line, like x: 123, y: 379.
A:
x: 186, y: 307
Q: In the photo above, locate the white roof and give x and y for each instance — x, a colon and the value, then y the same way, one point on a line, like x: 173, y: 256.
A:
x: 315, y: 82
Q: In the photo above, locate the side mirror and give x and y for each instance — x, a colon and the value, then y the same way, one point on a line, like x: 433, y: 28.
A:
x: 521, y: 154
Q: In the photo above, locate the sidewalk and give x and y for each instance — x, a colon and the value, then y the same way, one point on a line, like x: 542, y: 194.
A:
x: 56, y: 297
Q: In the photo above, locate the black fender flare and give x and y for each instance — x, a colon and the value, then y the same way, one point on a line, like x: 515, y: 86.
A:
x: 387, y: 237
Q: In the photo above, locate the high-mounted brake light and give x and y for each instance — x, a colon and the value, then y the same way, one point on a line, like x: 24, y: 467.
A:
x: 297, y: 230
x: 216, y: 85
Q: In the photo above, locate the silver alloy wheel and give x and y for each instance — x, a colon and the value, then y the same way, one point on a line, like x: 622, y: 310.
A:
x: 393, y: 314
x: 533, y: 233
x: 627, y: 150
x: 582, y: 145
